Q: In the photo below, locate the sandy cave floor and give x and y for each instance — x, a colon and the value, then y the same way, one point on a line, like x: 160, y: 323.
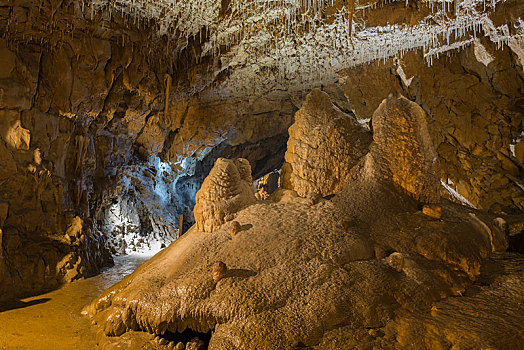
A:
x: 54, y: 320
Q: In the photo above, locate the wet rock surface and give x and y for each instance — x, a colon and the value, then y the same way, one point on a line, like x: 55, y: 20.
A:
x: 357, y: 269
x: 334, y: 271
x: 324, y: 144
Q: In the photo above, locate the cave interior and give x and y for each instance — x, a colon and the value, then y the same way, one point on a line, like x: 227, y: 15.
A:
x: 262, y: 174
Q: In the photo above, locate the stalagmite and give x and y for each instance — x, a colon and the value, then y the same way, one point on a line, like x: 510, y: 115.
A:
x: 226, y: 190
x: 402, y: 149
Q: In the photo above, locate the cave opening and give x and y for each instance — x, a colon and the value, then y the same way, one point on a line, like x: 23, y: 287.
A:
x: 189, y: 338
x: 140, y: 210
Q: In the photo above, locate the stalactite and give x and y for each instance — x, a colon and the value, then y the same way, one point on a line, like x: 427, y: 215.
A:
x: 295, y: 32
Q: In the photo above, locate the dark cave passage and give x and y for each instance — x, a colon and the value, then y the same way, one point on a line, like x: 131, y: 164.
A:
x: 190, y: 339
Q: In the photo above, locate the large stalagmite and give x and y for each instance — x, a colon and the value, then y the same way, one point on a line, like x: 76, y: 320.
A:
x: 324, y: 144
x: 403, y: 150
x: 227, y: 190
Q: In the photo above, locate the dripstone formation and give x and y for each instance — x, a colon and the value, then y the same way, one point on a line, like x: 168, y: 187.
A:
x: 227, y: 189
x: 403, y: 151
x: 365, y: 268
x: 324, y: 144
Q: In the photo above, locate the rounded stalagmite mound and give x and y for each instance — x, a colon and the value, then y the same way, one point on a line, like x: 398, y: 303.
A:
x: 226, y: 190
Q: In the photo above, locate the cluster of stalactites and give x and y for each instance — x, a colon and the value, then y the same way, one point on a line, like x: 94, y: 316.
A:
x: 296, y: 42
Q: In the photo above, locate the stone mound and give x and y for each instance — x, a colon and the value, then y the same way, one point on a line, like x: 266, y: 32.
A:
x: 364, y: 269
x: 324, y: 144
x: 227, y: 189
x: 403, y: 151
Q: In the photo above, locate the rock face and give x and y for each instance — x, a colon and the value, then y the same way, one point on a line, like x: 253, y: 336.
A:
x: 227, y: 189
x: 403, y: 150
x: 476, y: 138
x: 79, y: 141
x: 267, y: 184
x: 324, y: 144
x: 71, y: 111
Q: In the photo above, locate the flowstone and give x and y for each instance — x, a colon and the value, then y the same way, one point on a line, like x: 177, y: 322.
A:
x: 365, y: 268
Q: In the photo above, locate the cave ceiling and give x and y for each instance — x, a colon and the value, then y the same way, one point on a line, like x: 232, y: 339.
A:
x: 249, y: 46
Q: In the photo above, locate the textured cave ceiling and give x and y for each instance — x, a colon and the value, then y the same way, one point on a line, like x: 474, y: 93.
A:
x: 272, y: 44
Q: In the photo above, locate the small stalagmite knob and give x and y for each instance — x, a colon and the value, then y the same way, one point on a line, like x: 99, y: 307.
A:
x: 235, y: 228
x: 313, y: 198
x: 219, y: 271
x: 396, y: 261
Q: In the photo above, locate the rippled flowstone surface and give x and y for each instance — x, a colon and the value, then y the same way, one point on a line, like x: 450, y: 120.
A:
x: 315, y: 275
x: 354, y: 270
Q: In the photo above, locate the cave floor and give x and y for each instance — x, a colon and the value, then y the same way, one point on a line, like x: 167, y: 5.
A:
x: 54, y: 320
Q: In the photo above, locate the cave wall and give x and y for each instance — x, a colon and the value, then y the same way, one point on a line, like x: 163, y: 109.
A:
x: 82, y: 119
x: 475, y: 102
x: 75, y: 104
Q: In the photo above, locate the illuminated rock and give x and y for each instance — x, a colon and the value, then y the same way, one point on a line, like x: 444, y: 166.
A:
x: 267, y: 185
x: 226, y: 190
x: 219, y: 271
x: 12, y: 131
x: 324, y: 144
x: 433, y: 211
x: 402, y: 149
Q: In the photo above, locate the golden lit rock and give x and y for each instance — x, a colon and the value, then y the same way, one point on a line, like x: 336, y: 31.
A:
x: 219, y: 271
x: 433, y: 211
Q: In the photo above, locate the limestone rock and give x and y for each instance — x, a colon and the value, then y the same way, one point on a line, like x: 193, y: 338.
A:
x: 305, y: 258
x: 219, y: 271
x: 497, y: 237
x: 396, y: 261
x: 467, y: 128
x: 403, y: 151
x: 267, y: 185
x: 226, y: 190
x: 283, y: 195
x: 433, y: 211
x: 313, y: 198
x: 4, y: 207
x: 235, y: 228
x: 324, y: 144
x: 12, y: 131
x: 195, y: 344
